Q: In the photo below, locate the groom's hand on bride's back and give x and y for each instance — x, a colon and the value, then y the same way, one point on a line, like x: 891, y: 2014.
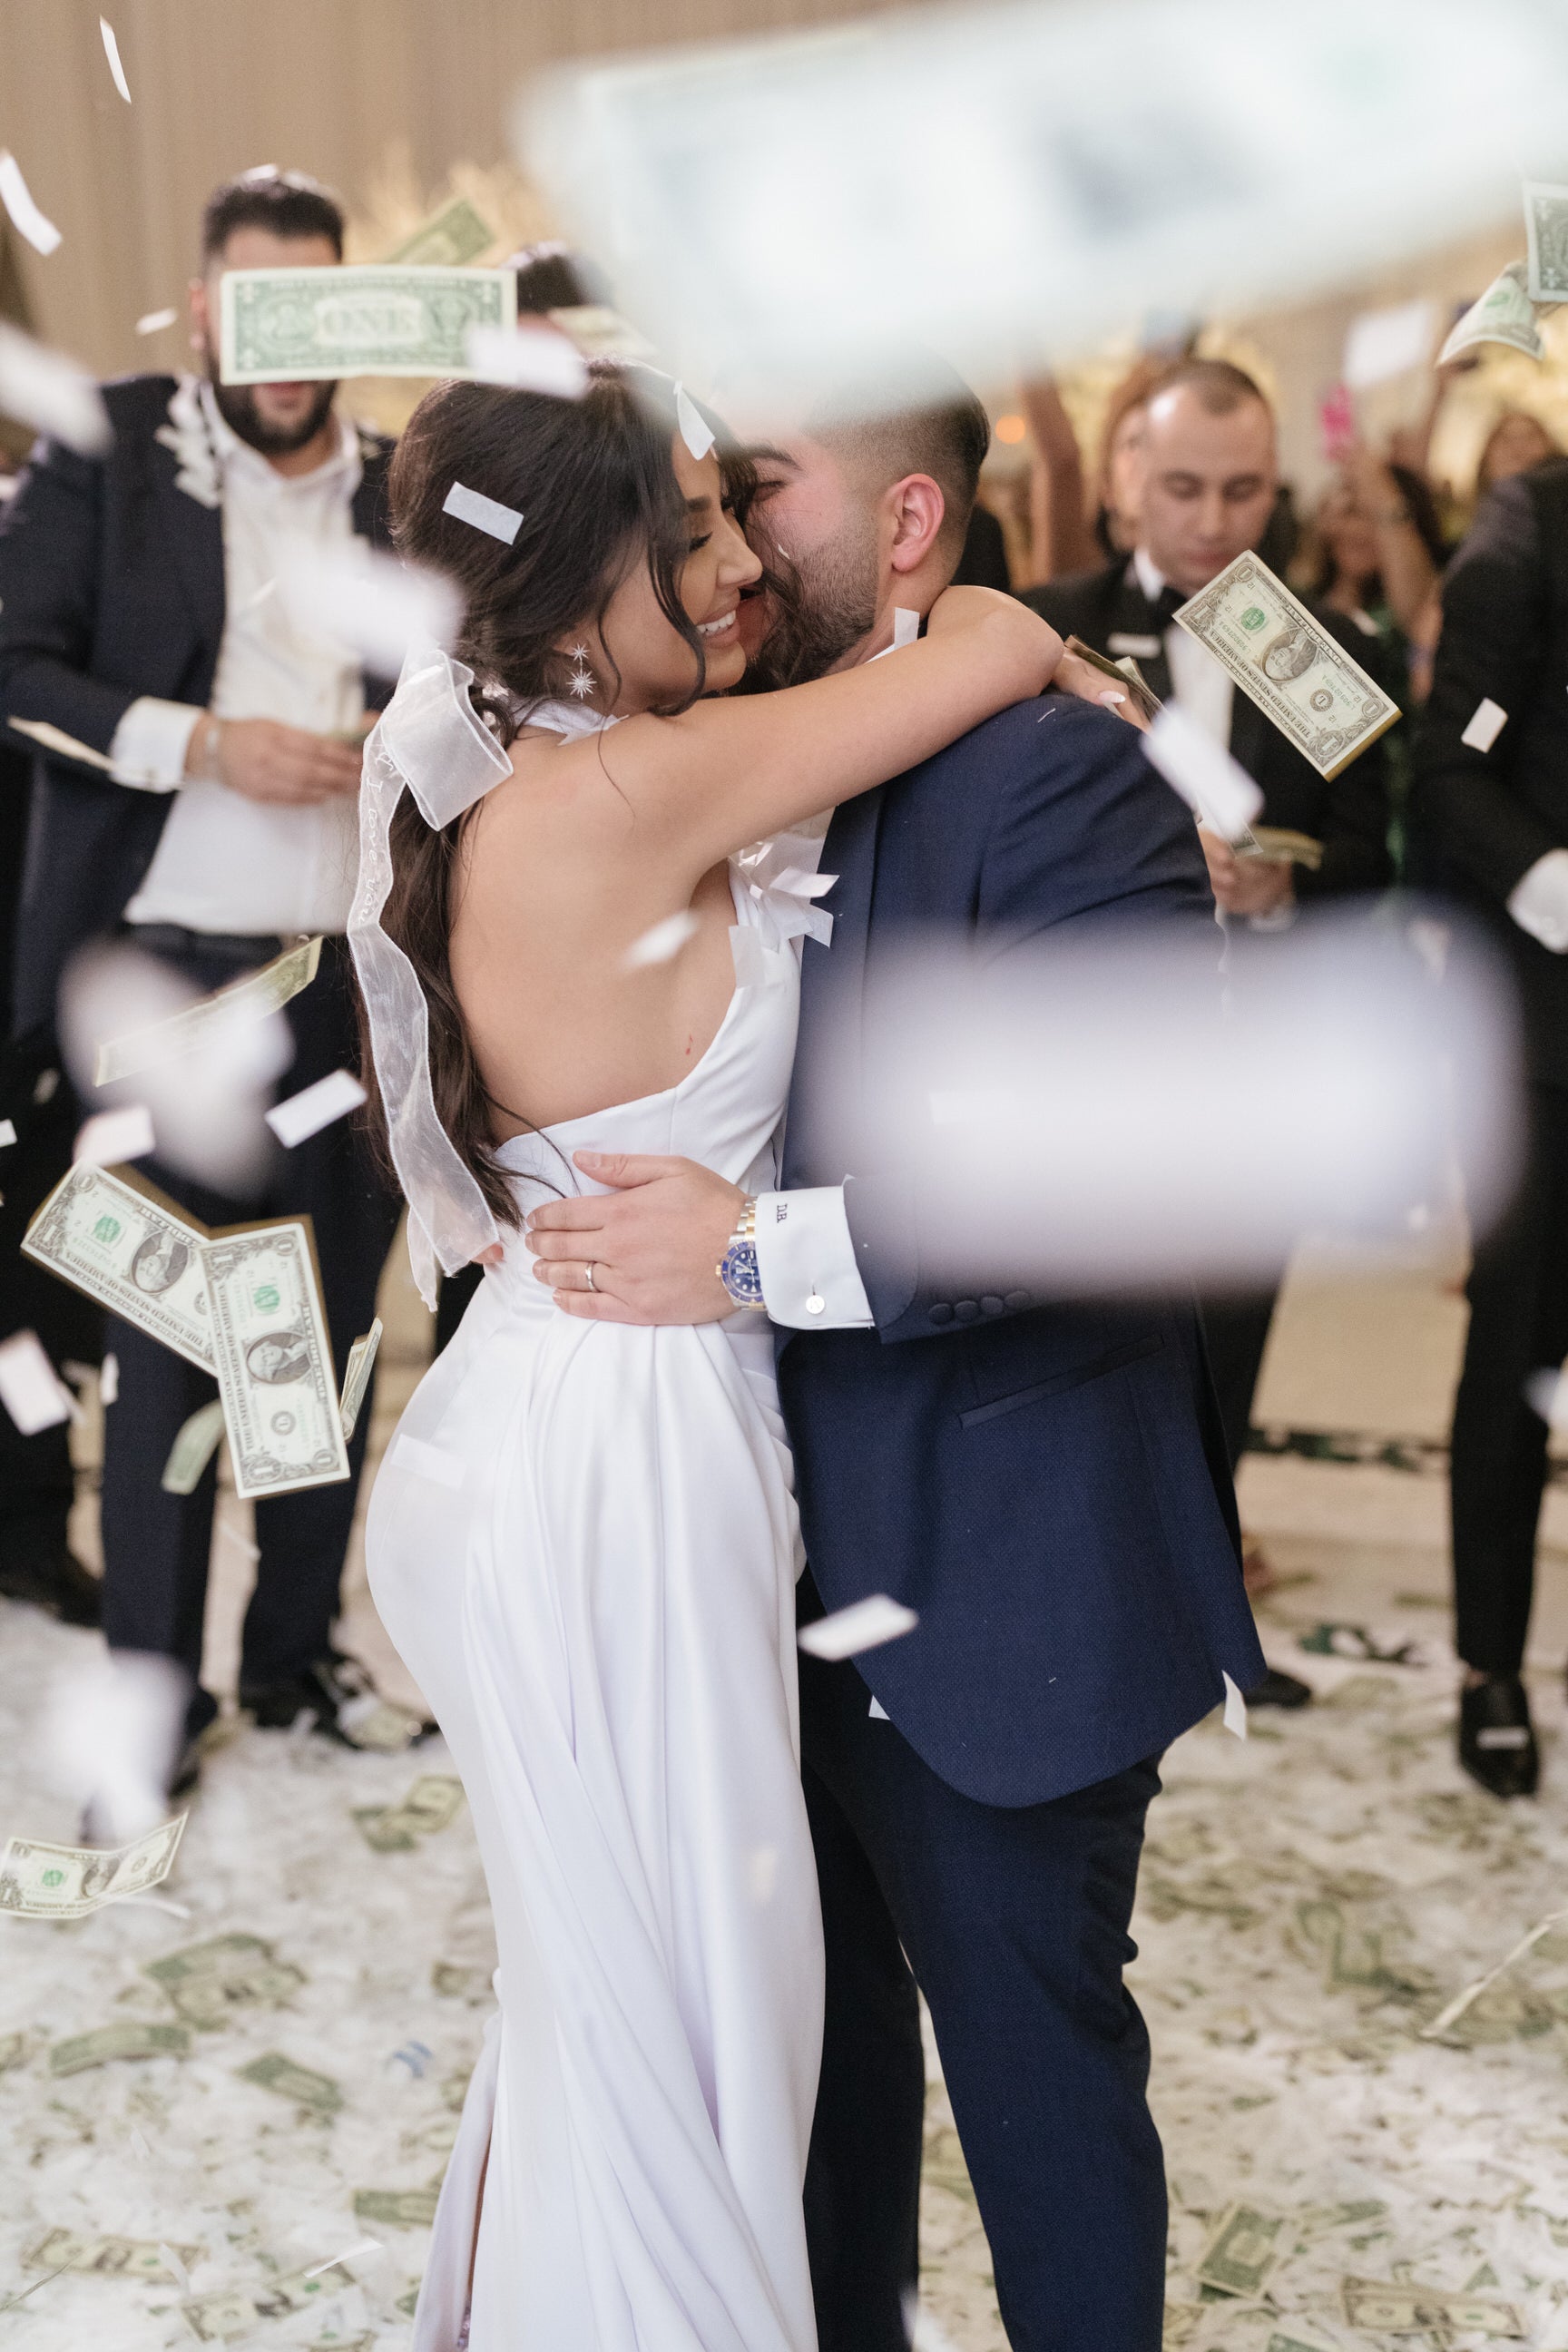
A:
x: 652, y: 1241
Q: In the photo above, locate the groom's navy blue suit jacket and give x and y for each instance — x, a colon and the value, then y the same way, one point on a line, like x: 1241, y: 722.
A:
x: 1045, y: 1483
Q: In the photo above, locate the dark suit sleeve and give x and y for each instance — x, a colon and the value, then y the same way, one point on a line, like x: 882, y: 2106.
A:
x: 1353, y: 828
x: 1086, y: 835
x: 1463, y: 808
x: 49, y: 551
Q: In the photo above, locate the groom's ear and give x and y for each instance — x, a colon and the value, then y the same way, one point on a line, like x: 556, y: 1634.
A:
x: 915, y: 509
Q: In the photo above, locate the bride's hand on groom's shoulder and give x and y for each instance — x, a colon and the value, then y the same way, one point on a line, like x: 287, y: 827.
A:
x: 646, y: 1250
x: 1080, y: 679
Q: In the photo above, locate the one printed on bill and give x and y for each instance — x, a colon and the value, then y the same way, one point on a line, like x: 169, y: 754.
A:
x: 274, y: 1359
x: 122, y: 1242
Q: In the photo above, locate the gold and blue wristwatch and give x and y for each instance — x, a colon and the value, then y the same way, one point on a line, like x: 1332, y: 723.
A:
x: 738, y: 1269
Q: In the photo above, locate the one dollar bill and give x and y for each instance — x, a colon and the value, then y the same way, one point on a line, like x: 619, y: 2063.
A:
x: 1398, y: 2310
x: 67, y: 1882
x: 253, y: 998
x: 1504, y: 314
x: 1546, y: 232
x: 1297, y: 672
x: 195, y: 1443
x: 124, y: 1244
x: 232, y: 2311
x: 356, y: 1379
x: 1242, y: 2249
x: 430, y: 1805
x: 455, y: 235
x: 298, y: 325
x: 274, y: 1360
x: 108, y: 2257
x: 130, y: 2038
x: 301, y: 2084
x: 207, y: 1982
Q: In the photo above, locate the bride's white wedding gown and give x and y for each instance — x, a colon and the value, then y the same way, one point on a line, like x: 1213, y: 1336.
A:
x: 584, y: 1543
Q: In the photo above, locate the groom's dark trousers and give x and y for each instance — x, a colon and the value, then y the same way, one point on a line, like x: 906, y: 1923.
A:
x: 1045, y: 1483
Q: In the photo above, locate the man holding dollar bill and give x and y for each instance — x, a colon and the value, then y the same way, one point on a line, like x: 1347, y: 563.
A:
x: 198, y: 799
x: 1206, y: 491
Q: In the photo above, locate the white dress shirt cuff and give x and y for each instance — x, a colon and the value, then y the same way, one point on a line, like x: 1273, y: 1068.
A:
x: 806, y: 1259
x: 150, y: 743
x: 1539, y: 901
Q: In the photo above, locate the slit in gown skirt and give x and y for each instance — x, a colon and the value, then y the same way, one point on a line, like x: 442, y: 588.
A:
x: 592, y: 1579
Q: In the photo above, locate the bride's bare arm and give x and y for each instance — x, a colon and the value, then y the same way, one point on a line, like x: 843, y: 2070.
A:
x: 728, y: 772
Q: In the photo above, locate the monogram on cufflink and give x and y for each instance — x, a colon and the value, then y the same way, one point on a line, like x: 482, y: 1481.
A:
x: 738, y: 1269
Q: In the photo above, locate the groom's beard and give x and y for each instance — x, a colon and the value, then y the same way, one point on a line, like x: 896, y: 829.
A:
x: 236, y: 406
x: 823, y: 603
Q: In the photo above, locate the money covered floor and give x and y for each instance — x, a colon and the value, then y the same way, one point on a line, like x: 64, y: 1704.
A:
x: 1347, y: 2169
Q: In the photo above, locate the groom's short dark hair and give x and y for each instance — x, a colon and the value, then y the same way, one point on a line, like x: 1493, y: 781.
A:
x: 943, y: 432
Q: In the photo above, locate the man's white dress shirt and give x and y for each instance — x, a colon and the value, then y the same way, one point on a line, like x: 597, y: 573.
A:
x: 1200, y: 684
x: 227, y: 864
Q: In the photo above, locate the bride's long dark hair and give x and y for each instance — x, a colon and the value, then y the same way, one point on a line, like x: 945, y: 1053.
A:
x: 595, y: 485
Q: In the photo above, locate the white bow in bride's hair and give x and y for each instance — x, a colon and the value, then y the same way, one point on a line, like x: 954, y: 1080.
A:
x: 430, y: 738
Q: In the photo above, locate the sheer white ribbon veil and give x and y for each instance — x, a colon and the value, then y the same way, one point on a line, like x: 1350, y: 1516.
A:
x: 429, y: 738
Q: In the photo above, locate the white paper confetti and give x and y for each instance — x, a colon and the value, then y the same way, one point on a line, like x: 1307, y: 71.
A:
x: 484, y: 514
x: 662, y: 941
x: 1486, y: 722
x: 7, y: 1132
x: 878, y: 1712
x: 315, y: 1107
x: 697, y: 434
x: 111, y: 51
x: 1547, y: 1393
x: 1218, y: 789
x: 864, y: 1625
x: 14, y: 195
x: 1382, y: 343
x: 30, y: 1388
x: 111, y: 1137
x: 906, y: 631
x: 108, y: 1380
x: 370, y: 605
x: 1234, y: 1707
x: 153, y: 322
x: 528, y: 359
x: 422, y: 1461
x: 53, y: 394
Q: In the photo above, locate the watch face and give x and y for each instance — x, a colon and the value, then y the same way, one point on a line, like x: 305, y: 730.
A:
x: 738, y: 1273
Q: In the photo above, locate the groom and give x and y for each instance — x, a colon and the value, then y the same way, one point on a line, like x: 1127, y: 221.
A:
x: 1044, y: 1483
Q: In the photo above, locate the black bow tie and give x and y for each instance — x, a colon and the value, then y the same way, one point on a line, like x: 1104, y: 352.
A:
x: 1167, y: 605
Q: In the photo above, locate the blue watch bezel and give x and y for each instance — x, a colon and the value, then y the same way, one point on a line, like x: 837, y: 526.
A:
x: 740, y: 1275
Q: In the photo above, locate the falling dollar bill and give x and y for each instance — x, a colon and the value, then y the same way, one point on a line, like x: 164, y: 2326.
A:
x: 298, y: 325
x: 455, y: 235
x: 1242, y: 2249
x: 273, y: 1358
x: 207, y: 1982
x: 131, y: 2038
x: 1400, y: 2310
x: 301, y: 2084
x: 195, y: 1443
x: 121, y: 1241
x: 1296, y: 671
x: 67, y: 1882
x: 356, y: 1379
x: 1546, y: 230
x: 108, y: 2257
x: 431, y: 1803
x: 397, y: 2209
x: 1504, y: 314
x: 250, y: 999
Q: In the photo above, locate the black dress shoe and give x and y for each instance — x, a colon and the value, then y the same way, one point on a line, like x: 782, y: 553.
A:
x: 1279, y: 1690
x: 1497, y: 1743
x: 56, y: 1581
x: 342, y: 1701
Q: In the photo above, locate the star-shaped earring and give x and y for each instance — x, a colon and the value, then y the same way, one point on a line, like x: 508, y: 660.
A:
x: 582, y: 681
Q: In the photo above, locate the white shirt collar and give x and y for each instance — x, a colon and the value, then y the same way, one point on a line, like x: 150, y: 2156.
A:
x: 1150, y: 578
x: 234, y: 453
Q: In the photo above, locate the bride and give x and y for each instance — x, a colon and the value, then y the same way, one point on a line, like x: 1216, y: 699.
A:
x: 582, y: 1541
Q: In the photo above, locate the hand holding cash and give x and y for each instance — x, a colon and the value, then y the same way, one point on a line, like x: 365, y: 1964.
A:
x: 1246, y: 885
x: 265, y: 760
